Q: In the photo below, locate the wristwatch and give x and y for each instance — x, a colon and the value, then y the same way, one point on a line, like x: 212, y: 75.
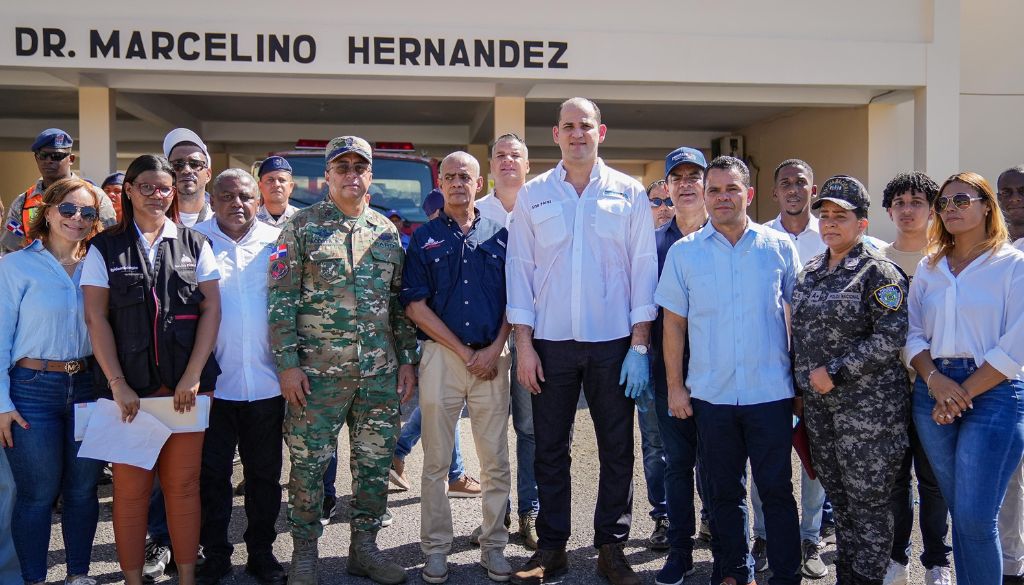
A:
x: 640, y: 349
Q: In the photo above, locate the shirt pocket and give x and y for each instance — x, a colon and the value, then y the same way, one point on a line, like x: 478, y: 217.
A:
x: 385, y: 262
x: 611, y: 218
x: 548, y: 224
x: 330, y: 265
x: 494, y: 265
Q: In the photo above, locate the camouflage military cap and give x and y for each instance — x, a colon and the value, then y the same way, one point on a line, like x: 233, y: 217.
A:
x: 845, y: 191
x: 342, y: 144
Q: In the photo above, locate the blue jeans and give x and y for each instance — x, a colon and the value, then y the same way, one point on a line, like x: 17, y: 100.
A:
x: 521, y: 407
x: 973, y: 458
x: 729, y: 435
x: 45, y: 464
x: 812, y: 509
x: 933, y: 515
x: 653, y: 451
x: 679, y: 438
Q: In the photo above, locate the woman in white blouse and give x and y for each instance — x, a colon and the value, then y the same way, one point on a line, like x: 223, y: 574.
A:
x: 44, y: 371
x: 966, y: 342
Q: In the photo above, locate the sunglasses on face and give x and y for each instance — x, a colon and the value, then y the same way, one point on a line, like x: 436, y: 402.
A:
x: 69, y: 210
x: 359, y: 169
x: 51, y: 156
x: 192, y: 163
x: 959, y: 201
x: 149, y: 190
x: 658, y: 202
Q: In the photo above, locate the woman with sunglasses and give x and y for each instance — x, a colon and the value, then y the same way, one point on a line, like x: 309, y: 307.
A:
x: 44, y: 370
x: 152, y: 306
x: 966, y: 342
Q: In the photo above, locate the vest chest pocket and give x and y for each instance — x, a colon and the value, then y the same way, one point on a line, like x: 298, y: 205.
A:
x: 126, y: 290
x: 188, y: 288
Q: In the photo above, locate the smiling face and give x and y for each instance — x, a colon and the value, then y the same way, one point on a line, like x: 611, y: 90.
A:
x: 152, y: 207
x: 1011, y: 196
x: 962, y: 221
x: 910, y: 212
x: 794, y: 189
x: 686, y: 187
x: 727, y: 197
x: 509, y: 163
x: 578, y: 133
x: 839, y: 227
x: 75, y: 228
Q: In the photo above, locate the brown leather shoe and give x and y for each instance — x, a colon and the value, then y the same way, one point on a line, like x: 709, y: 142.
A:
x: 612, y: 565
x: 543, y: 566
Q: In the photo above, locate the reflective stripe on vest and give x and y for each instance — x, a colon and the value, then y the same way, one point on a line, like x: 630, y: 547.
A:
x: 29, y: 210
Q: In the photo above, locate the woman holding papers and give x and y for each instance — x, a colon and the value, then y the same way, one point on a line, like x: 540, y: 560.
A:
x: 44, y: 370
x: 153, y: 309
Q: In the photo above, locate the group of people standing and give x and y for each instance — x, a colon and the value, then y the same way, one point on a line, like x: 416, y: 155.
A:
x: 299, y: 322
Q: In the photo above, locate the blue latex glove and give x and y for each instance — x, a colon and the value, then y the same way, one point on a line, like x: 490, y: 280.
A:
x: 636, y: 374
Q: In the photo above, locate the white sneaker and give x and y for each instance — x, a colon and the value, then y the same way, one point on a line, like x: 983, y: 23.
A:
x: 496, y: 565
x: 80, y: 580
x: 938, y: 576
x: 896, y: 574
x: 436, y: 568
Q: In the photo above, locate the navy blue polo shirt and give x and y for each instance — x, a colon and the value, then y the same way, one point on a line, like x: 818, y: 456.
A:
x: 461, y: 276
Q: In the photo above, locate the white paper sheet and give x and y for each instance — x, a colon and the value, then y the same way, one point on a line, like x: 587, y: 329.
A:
x: 108, y: 439
x: 162, y: 408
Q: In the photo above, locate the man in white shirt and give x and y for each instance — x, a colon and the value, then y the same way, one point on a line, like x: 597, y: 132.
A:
x: 191, y: 162
x: 510, y: 162
x: 581, y: 273
x: 276, y: 187
x: 248, y: 410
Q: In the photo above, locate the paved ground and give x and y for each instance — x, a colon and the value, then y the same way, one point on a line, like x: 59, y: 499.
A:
x: 402, y: 538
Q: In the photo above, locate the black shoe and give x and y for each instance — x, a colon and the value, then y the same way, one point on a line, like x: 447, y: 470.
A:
x: 659, y: 538
x: 213, y: 570
x: 266, y: 569
x: 158, y: 561
x: 328, y: 510
x: 240, y: 488
x: 508, y: 519
x: 1013, y: 579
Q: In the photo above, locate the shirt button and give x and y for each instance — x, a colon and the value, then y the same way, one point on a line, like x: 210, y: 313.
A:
x: 466, y: 302
x: 465, y: 282
x: 467, y: 323
x: 465, y: 261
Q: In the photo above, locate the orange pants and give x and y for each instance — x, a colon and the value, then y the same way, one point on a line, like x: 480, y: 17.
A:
x: 178, y: 465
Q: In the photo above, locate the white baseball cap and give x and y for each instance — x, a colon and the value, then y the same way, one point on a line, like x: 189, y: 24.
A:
x: 179, y: 135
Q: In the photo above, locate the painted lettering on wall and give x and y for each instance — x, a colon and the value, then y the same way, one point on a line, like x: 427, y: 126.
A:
x: 441, y: 52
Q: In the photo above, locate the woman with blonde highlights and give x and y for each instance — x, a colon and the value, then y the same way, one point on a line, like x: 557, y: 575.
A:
x: 966, y: 342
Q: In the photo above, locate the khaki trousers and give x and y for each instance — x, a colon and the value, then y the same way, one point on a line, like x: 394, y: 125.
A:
x: 445, y: 384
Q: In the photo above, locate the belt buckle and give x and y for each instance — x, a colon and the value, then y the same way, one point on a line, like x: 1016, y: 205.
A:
x: 73, y: 367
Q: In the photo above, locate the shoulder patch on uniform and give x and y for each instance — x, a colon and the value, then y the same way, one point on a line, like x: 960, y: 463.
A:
x: 14, y: 226
x: 280, y: 252
x: 889, y: 296
x: 278, y: 269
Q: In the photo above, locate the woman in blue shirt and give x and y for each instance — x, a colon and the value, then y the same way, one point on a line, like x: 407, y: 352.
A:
x: 44, y: 370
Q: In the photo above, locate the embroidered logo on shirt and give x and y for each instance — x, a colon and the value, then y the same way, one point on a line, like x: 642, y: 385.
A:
x: 613, y: 192
x: 278, y: 270
x: 431, y: 244
x: 280, y: 252
x: 536, y: 205
x: 843, y: 296
x: 14, y: 226
x: 889, y: 296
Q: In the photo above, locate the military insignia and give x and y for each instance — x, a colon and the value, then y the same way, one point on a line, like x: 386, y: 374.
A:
x: 385, y: 237
x: 279, y: 253
x: 889, y: 296
x: 14, y: 226
x: 279, y: 270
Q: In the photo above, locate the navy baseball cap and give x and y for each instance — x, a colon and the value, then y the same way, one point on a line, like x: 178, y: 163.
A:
x: 432, y: 202
x: 683, y: 155
x: 52, y: 137
x: 845, y: 191
x: 274, y: 163
x: 394, y: 213
x: 114, y: 179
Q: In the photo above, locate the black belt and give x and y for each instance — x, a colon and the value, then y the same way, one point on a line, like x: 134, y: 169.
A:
x: 478, y: 346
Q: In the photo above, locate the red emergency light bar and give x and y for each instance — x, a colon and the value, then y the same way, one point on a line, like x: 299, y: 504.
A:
x: 310, y: 143
x: 402, y: 146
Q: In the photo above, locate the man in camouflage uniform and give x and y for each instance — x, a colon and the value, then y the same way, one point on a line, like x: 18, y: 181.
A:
x: 849, y: 325
x: 339, y: 336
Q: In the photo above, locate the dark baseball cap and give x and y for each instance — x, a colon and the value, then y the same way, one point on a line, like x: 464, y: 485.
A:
x: 845, y: 191
x: 684, y: 155
x: 433, y: 201
x: 274, y: 163
x: 114, y: 179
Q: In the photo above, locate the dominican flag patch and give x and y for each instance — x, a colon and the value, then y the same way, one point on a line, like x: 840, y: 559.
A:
x: 280, y: 252
x: 14, y: 226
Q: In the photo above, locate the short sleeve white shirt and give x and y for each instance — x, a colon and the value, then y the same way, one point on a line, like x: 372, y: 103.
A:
x: 94, y: 268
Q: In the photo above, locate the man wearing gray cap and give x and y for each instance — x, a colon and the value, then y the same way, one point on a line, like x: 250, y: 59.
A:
x: 190, y: 159
x: 345, y: 354
x: 52, y: 150
x: 276, y: 187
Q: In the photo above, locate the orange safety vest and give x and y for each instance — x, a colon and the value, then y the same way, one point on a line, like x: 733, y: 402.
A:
x: 29, y: 211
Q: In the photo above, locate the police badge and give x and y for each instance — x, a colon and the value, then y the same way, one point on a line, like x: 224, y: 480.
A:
x: 889, y: 296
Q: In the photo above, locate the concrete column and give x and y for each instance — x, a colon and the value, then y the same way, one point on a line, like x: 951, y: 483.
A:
x: 937, y: 105
x: 890, y: 151
x: 510, y: 116
x: 483, y: 155
x: 97, y: 114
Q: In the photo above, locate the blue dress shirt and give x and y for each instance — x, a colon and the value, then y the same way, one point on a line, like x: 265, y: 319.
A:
x: 461, y: 276
x: 734, y: 299
x: 42, y: 313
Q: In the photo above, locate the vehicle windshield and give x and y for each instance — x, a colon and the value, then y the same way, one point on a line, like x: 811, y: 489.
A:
x: 398, y: 184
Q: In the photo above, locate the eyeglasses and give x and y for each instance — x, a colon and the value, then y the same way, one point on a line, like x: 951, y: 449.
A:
x: 960, y: 201
x: 192, y: 163
x: 149, y: 190
x: 658, y: 202
x: 69, y: 210
x: 359, y: 169
x: 687, y: 180
x: 51, y: 156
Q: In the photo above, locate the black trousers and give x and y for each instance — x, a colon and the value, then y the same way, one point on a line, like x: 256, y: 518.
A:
x: 596, y: 367
x: 255, y: 427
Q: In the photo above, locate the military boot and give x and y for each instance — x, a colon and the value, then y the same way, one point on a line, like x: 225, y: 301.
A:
x: 366, y: 560
x: 305, y: 558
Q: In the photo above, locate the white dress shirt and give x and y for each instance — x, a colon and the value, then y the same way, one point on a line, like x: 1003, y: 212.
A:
x: 977, y: 314
x: 243, y: 352
x: 808, y: 242
x: 490, y: 207
x: 263, y: 215
x: 94, y: 268
x: 581, y: 267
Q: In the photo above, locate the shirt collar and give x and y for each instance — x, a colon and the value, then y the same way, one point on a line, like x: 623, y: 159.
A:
x: 245, y: 239
x: 851, y: 262
x: 709, y: 229
x: 454, y: 226
x: 169, y: 232
x: 595, y: 172
x: 812, y: 225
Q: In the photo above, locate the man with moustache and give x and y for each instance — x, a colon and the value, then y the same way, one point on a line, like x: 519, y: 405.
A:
x: 52, y: 151
x: 453, y: 289
x: 247, y: 410
x: 661, y: 202
x: 191, y: 162
x: 724, y: 291
x: 510, y: 162
x: 581, y: 273
x: 276, y: 186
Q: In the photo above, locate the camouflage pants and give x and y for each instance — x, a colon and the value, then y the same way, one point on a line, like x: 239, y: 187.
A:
x: 857, y: 444
x: 369, y: 406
